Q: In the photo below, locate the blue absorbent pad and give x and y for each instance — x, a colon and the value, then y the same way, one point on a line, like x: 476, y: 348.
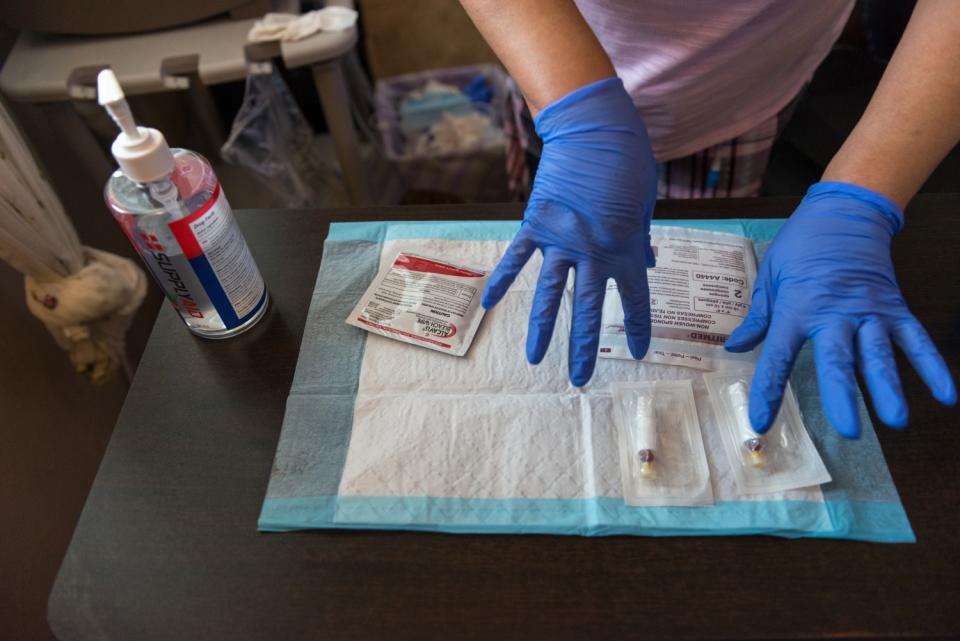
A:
x: 379, y: 434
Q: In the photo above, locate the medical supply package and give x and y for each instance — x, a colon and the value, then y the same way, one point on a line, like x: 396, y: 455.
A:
x: 784, y: 458
x: 699, y: 292
x: 423, y: 301
x: 379, y: 435
x: 662, y: 461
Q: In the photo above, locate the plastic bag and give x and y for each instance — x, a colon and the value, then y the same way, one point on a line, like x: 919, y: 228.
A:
x: 271, y: 137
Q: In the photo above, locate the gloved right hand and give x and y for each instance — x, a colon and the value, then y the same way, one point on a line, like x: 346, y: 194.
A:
x: 590, y: 209
x: 828, y: 276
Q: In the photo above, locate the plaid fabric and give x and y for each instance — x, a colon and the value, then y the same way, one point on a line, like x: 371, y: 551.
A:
x: 733, y: 168
x: 516, y: 124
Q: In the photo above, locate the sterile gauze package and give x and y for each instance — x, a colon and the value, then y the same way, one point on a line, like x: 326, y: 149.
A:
x: 699, y: 293
x: 784, y: 458
x: 425, y: 302
x: 662, y: 459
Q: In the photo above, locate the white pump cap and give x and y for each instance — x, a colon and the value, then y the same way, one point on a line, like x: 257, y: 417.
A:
x: 141, y: 152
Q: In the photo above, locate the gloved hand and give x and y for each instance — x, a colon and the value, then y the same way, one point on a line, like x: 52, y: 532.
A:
x: 828, y: 276
x: 590, y: 209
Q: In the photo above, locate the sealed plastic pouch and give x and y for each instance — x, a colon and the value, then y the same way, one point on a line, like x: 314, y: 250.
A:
x: 699, y: 293
x: 784, y: 458
x: 423, y: 301
x: 662, y: 459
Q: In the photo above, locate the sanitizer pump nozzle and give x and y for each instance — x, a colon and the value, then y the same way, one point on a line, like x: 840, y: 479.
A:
x: 141, y: 152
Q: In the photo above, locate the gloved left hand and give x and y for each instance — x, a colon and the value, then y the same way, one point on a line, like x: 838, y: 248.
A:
x: 828, y: 276
x: 590, y: 209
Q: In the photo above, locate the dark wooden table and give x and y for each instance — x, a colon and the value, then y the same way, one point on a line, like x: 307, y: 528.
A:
x: 167, y: 546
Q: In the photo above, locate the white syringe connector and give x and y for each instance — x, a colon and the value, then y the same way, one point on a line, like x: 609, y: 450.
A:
x: 141, y: 152
x: 753, y: 442
x: 647, y: 441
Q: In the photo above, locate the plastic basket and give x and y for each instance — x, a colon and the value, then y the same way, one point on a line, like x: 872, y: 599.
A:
x: 477, y: 175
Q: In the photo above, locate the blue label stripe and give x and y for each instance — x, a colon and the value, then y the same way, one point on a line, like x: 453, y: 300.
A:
x: 211, y: 285
x: 256, y: 308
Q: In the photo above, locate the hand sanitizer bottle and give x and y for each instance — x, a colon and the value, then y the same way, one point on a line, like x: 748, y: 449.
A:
x: 171, y: 207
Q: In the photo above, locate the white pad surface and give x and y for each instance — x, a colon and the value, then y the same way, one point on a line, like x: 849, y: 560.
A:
x: 490, y: 425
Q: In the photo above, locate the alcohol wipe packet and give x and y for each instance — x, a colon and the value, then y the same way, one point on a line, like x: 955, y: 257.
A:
x: 423, y: 301
x: 662, y: 459
x: 782, y: 459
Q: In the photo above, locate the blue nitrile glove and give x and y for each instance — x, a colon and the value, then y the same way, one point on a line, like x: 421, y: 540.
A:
x: 828, y: 276
x: 590, y: 209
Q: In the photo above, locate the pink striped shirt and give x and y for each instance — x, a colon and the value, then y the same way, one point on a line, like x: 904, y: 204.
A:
x: 704, y: 71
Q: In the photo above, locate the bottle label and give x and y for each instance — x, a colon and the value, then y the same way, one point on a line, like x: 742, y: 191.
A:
x: 211, y: 240
x: 218, y: 254
x: 202, y: 262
